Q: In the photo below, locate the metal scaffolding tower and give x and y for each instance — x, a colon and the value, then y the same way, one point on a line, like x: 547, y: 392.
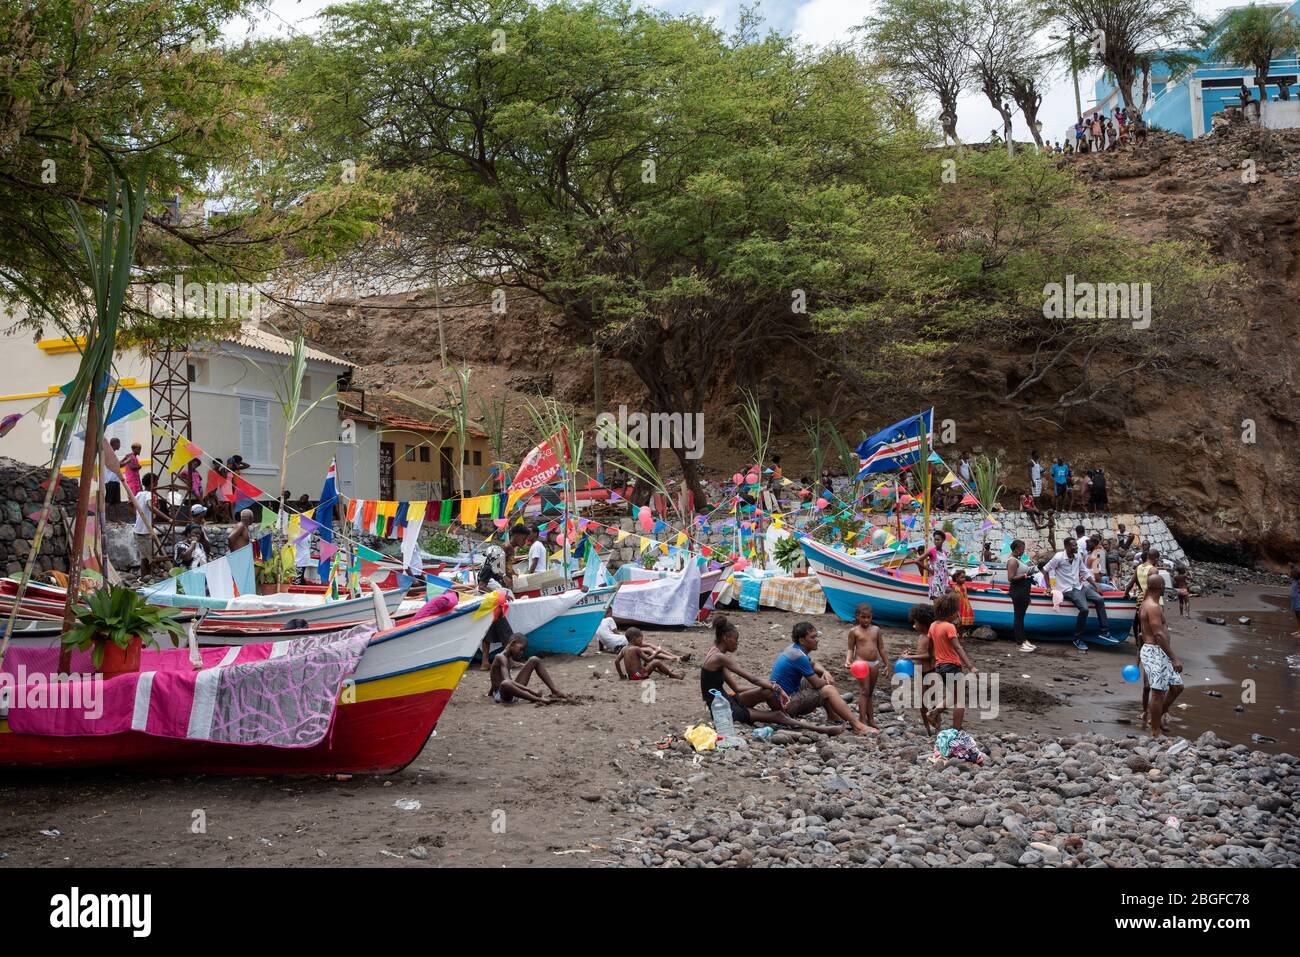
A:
x: 169, y: 401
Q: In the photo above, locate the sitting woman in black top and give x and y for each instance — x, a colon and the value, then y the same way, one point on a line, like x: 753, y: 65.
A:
x: 719, y: 670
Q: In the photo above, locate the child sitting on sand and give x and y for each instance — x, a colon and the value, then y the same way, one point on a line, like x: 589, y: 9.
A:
x: 505, y: 690
x: 950, y: 659
x: 921, y: 617
x: 865, y: 643
x: 607, y: 634
x: 965, y: 613
x: 641, y: 660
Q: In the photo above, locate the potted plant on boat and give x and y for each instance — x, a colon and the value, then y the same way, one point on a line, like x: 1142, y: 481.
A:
x: 115, y: 623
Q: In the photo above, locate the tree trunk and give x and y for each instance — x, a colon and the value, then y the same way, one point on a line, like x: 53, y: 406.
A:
x: 948, y: 119
x: 691, y: 476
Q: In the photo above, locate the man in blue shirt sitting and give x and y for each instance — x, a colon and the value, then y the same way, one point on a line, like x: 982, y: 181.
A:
x: 808, y: 684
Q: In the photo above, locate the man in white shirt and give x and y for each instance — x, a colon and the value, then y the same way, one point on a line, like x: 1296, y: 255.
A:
x: 145, y: 540
x: 536, y: 553
x: 1035, y: 476
x: 1073, y: 580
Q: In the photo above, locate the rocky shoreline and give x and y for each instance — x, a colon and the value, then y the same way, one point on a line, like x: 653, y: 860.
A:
x: 1083, y: 801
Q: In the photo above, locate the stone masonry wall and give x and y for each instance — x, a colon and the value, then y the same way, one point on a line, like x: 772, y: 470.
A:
x: 21, y: 495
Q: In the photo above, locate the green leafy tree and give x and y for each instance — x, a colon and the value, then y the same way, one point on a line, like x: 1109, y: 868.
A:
x: 1254, y: 37
x: 928, y: 44
x: 1128, y: 36
x: 91, y: 90
x: 685, y: 199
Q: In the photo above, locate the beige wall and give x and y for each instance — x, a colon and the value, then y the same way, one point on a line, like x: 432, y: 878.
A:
x: 228, y: 373
x: 31, y: 371
x: 359, y: 461
x: 33, y: 368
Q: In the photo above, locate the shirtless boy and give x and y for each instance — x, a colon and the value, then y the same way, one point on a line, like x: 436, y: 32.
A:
x: 505, y: 689
x: 637, y: 661
x: 866, y: 644
x: 1162, y: 668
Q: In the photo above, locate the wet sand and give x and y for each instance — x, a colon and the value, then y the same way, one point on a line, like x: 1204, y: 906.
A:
x: 523, y: 785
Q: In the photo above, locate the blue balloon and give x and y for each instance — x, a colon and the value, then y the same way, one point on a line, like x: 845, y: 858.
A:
x: 904, y: 666
x: 1131, y: 673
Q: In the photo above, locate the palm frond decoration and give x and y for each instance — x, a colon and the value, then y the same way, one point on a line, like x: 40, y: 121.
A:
x: 758, y: 430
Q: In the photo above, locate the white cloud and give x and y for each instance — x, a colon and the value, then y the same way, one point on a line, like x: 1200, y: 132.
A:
x: 825, y: 22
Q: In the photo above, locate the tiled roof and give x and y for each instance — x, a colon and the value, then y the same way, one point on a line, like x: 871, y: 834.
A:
x: 257, y: 337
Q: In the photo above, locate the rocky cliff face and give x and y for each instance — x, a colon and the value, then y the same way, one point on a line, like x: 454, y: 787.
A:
x: 1218, y: 457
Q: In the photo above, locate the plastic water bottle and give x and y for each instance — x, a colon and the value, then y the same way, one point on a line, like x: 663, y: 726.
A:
x: 721, y: 710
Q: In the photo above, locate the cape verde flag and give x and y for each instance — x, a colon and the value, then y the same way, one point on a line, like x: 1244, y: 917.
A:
x: 324, y: 514
x: 892, y: 448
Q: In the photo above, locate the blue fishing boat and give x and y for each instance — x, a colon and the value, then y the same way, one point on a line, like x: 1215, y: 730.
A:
x: 849, y: 582
x: 571, y: 631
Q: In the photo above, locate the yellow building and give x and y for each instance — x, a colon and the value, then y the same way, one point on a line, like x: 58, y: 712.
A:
x: 417, y: 457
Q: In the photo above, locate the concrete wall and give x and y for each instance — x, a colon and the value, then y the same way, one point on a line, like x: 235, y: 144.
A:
x: 1150, y: 529
x: 1281, y: 115
x: 32, y: 368
x: 231, y: 372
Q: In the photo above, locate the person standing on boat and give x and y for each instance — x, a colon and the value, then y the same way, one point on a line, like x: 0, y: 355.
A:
x: 934, y: 563
x: 1073, y: 580
x: 1020, y: 577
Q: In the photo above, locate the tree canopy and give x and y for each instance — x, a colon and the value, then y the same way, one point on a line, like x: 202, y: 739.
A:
x: 90, y: 90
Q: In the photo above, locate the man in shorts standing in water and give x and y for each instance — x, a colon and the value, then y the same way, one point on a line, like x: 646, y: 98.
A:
x: 1160, y: 665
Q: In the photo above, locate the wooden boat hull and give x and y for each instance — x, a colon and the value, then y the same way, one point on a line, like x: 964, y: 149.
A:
x: 385, y: 715
x: 848, y: 582
x: 570, y: 632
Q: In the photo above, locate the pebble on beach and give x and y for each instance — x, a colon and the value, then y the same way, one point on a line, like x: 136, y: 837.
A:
x: 1083, y: 801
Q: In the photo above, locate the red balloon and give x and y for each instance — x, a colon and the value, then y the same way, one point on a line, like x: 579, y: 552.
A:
x: 737, y: 478
x: 822, y: 503
x: 741, y: 564
x: 860, y: 669
x: 752, y: 478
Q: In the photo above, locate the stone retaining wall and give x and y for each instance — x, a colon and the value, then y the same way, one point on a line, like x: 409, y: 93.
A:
x: 21, y: 494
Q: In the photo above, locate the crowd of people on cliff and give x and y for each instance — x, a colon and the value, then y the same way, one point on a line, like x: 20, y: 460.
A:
x: 1097, y: 133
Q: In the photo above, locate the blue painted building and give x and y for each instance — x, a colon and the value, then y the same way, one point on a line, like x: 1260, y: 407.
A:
x: 1184, y: 104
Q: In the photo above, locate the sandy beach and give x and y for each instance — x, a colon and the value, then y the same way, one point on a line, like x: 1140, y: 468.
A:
x: 583, y: 783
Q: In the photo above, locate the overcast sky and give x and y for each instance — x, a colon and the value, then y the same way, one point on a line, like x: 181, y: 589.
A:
x: 812, y: 21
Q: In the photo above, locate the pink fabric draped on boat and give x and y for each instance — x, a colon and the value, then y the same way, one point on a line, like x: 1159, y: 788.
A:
x: 282, y: 694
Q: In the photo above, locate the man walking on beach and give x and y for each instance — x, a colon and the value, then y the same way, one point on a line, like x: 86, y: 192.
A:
x: 1161, y: 667
x: 1073, y: 580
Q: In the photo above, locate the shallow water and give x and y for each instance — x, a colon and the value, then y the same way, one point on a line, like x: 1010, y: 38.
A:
x: 1255, y: 667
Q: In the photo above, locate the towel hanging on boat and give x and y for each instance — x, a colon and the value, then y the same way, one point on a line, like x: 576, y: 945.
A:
x: 221, y: 583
